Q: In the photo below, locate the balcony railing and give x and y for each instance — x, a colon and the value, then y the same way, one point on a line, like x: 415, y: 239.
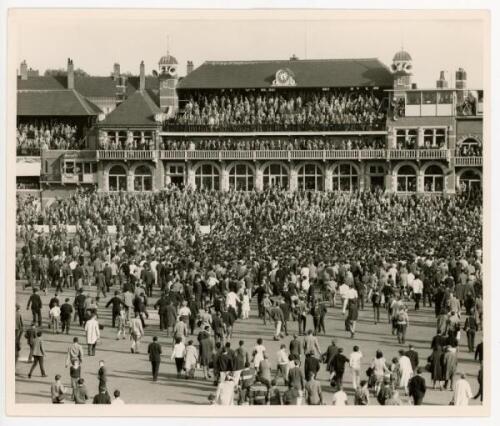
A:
x: 354, y: 154
x: 469, y: 161
x: 126, y: 155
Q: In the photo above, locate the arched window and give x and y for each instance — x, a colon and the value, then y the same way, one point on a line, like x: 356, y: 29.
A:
x: 345, y: 178
x: 241, y: 178
x: 470, y: 180
x: 207, y: 177
x: 117, y: 179
x: 433, y: 179
x: 470, y: 147
x: 275, y: 175
x: 407, y: 179
x: 310, y: 178
x: 143, y: 179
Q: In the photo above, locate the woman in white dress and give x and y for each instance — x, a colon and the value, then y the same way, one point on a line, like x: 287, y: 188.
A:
x: 405, y: 371
x: 245, y: 307
x: 190, y: 360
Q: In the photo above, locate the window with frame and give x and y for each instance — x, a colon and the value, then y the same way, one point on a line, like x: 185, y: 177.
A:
x: 143, y: 179
x: 413, y: 98
x: 445, y: 97
x: 241, y: 178
x: 433, y: 179
x: 470, y: 180
x: 429, y: 98
x: 434, y: 138
x: 275, y: 175
x: 310, y: 178
x: 207, y: 177
x: 345, y: 178
x: 407, y: 179
x: 117, y: 179
x: 406, y: 138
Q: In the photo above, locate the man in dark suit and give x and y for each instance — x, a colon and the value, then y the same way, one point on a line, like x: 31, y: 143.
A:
x: 35, y: 302
x: 413, y: 355
x: 154, y: 351
x: 417, y: 387
x: 79, y: 304
x: 116, y: 303
x: 66, y: 313
x: 311, y: 365
x: 337, y: 365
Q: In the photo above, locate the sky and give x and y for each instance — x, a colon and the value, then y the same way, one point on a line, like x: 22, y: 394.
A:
x: 95, y: 44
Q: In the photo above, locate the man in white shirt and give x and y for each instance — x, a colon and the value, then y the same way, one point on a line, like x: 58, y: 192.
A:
x: 225, y: 391
x: 232, y: 300
x: 355, y: 364
x: 283, y: 363
x: 350, y: 295
x: 418, y: 289
x: 339, y: 397
x: 343, y: 289
x: 117, y: 400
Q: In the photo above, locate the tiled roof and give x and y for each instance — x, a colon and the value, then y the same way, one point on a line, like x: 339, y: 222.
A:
x: 307, y: 73
x: 54, y: 103
x: 137, y: 110
x: 87, y: 86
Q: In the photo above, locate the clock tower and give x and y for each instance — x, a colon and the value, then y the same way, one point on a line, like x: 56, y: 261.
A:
x: 401, y: 68
x: 168, y: 78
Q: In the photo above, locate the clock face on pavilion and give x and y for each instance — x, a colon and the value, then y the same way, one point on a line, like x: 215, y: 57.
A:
x: 284, y: 77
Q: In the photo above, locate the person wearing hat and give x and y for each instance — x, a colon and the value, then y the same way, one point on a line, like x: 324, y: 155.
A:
x: 417, y: 387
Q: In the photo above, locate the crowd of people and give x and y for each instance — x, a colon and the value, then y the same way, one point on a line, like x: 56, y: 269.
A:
x: 266, y: 144
x: 129, y: 142
x: 36, y: 136
x: 469, y: 150
x: 356, y: 109
x: 296, y: 254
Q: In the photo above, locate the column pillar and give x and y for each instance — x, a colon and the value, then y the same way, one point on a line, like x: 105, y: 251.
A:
x: 328, y: 179
x: 361, y: 178
x: 259, y: 178
x: 391, y: 138
x: 420, y: 181
x: 130, y: 180
x: 191, y: 181
x: 451, y: 182
x: 102, y: 178
x: 224, y: 181
x: 294, y: 178
x: 420, y: 138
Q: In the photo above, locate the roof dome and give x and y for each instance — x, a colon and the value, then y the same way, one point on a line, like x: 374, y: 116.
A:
x: 167, y: 60
x: 402, y: 55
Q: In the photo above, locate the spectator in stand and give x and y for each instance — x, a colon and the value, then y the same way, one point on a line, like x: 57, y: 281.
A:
x: 336, y: 109
x: 280, y: 144
x: 36, y: 136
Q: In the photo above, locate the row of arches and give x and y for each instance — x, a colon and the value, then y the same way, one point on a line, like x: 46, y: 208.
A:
x: 310, y: 177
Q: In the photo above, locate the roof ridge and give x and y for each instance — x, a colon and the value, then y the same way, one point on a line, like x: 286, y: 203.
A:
x: 82, y: 103
x: 262, y: 61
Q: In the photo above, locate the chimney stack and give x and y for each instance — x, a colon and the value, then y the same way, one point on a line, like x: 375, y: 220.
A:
x: 461, y: 79
x: 441, y: 83
x: 189, y: 68
x: 142, y: 77
x: 116, y: 71
x: 24, y: 70
x: 71, y: 74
